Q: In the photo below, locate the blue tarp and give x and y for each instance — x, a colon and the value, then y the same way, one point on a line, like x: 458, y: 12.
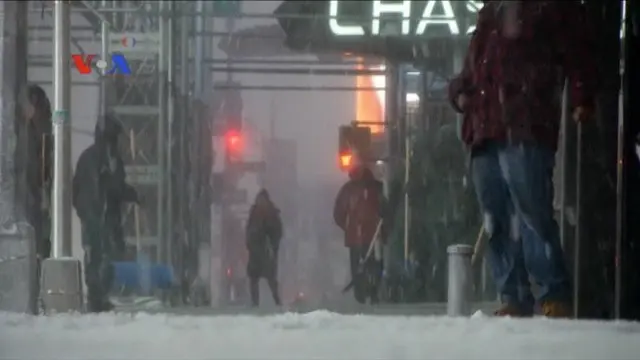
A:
x: 131, y: 274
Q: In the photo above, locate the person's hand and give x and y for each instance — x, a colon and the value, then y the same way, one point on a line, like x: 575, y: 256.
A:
x: 461, y: 101
x: 581, y: 114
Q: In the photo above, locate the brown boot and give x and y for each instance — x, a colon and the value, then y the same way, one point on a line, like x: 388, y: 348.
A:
x: 512, y: 311
x: 556, y: 309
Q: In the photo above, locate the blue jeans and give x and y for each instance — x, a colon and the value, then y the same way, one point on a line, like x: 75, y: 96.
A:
x: 514, y: 185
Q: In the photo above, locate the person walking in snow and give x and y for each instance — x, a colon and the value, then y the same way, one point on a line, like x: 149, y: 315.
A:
x: 357, y: 211
x: 263, y: 233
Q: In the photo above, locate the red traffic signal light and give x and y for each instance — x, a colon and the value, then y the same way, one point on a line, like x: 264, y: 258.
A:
x: 233, y: 141
x: 234, y: 144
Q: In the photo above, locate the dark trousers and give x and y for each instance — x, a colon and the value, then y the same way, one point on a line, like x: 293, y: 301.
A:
x: 514, y: 186
x: 263, y: 264
x: 98, y: 269
x: 254, y: 289
x: 366, y: 277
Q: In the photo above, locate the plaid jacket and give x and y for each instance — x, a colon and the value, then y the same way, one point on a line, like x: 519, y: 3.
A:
x: 514, y: 85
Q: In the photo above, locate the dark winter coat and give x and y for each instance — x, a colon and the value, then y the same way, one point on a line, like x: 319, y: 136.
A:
x: 263, y: 232
x: 33, y: 161
x: 513, y: 83
x: 34, y: 152
x: 358, y: 208
x: 99, y: 187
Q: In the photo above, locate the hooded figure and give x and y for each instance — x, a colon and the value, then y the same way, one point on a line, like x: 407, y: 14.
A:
x: 264, y: 231
x: 99, y: 190
x: 33, y: 164
x: 357, y: 211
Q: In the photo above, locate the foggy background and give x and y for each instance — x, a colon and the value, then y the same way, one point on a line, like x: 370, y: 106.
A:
x: 310, y: 117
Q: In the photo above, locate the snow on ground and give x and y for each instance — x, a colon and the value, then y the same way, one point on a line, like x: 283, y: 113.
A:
x: 316, y: 335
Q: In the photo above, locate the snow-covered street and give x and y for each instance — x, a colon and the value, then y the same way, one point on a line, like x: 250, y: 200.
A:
x: 316, y: 335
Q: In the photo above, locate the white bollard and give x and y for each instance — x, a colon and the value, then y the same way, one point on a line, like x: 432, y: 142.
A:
x: 459, y: 284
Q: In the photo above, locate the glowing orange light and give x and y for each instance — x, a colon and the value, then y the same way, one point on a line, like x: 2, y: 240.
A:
x: 370, y: 104
x: 345, y: 161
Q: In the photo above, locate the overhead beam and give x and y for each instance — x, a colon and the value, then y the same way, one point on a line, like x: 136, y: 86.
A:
x: 50, y: 28
x: 46, y: 61
x: 73, y: 83
x: 296, y: 88
x: 210, y: 13
x: 308, y: 71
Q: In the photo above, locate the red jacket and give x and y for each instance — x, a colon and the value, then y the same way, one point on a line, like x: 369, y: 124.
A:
x: 514, y: 86
x: 357, y: 210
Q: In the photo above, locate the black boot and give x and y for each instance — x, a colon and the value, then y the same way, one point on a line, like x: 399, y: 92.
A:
x: 94, y: 303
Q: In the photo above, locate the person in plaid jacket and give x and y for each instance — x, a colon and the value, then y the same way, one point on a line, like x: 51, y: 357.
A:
x: 510, y: 92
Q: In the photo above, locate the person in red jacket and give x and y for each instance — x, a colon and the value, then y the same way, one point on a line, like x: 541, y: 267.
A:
x: 510, y: 92
x: 357, y: 212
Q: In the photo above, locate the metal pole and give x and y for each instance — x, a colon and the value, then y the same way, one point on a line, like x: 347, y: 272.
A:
x: 162, y: 103
x: 183, y: 195
x: 105, y: 55
x: 61, y: 221
x: 390, y: 113
x: 170, y: 117
x: 563, y: 167
x: 459, y: 280
x: 199, y: 52
x: 404, y: 145
x: 184, y: 59
x: 407, y: 208
x: 231, y: 26
x: 578, y: 233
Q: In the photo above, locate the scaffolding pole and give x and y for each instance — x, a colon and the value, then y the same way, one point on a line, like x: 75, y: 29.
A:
x: 170, y: 119
x: 61, y: 222
x: 183, y: 195
x: 199, y: 52
x: 105, y: 55
x: 162, y: 151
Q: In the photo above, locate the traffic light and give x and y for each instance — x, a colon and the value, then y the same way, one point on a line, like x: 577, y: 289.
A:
x: 300, y: 32
x: 346, y: 161
x: 234, y: 145
x: 354, y: 146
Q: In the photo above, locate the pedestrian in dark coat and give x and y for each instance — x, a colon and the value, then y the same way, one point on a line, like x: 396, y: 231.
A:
x: 510, y: 92
x: 357, y: 211
x: 263, y: 232
x: 99, y: 191
x: 34, y: 164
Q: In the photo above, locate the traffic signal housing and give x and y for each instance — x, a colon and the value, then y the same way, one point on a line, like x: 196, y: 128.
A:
x: 354, y: 146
